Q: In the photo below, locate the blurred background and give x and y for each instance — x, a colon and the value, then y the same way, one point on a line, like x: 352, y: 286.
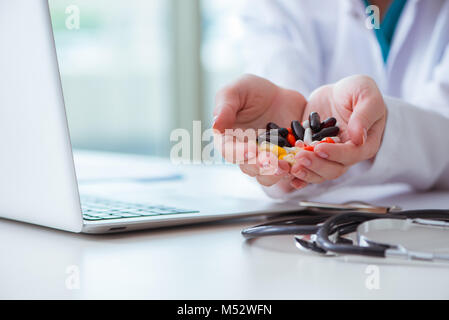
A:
x: 134, y: 70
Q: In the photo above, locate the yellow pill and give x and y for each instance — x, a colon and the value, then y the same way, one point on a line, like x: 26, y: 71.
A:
x: 278, y: 151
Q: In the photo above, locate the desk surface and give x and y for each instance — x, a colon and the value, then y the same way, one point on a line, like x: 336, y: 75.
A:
x: 208, y: 261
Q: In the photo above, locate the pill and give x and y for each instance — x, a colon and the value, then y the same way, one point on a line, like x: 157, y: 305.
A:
x: 298, y: 130
x: 331, y: 122
x: 291, y: 139
x: 336, y: 139
x: 299, y: 144
x: 283, y: 132
x: 328, y: 132
x: 269, y: 147
x: 308, y: 136
x: 309, y: 148
x: 306, y: 124
x: 314, y: 143
x: 278, y: 140
x: 315, y: 122
x: 327, y: 140
x: 272, y: 126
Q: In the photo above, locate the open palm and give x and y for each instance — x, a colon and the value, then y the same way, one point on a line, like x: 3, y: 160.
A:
x: 252, y: 102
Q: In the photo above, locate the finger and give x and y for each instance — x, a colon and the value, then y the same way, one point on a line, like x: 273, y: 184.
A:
x: 306, y: 175
x: 298, y: 184
x: 235, y: 151
x: 269, y: 181
x: 366, y: 112
x: 327, y: 169
x: 279, y: 174
x: 227, y: 106
x: 269, y: 165
x: 346, y: 154
x: 251, y: 170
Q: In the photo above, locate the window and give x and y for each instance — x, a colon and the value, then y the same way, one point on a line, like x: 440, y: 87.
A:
x: 134, y: 70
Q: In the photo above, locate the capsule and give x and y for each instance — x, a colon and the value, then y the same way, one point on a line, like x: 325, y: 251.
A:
x: 283, y: 132
x: 336, y: 139
x: 328, y: 132
x: 331, y: 122
x: 306, y: 124
x: 291, y: 139
x: 278, y: 140
x: 269, y: 147
x: 298, y: 130
x: 272, y: 126
x: 315, y: 122
x: 309, y: 148
x: 308, y: 136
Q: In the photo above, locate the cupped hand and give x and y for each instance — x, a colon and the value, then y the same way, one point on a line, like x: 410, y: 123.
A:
x: 358, y: 105
x: 250, y: 103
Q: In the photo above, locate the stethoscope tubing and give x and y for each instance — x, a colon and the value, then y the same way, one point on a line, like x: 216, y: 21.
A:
x: 332, y: 224
x: 327, y: 224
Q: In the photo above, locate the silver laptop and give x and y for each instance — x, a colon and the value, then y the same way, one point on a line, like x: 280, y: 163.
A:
x: 38, y: 182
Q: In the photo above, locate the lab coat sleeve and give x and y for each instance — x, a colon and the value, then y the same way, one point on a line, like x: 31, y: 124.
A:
x: 279, y: 44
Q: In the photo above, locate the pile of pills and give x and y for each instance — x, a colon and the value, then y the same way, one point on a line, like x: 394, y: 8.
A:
x: 285, y: 143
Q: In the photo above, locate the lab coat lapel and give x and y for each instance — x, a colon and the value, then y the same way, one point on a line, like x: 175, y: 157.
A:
x: 364, y: 55
x: 398, y: 51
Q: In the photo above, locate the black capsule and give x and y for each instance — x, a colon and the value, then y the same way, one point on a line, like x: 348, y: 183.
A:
x: 298, y: 130
x: 279, y: 141
x: 326, y: 133
x: 272, y: 126
x: 283, y: 132
x: 331, y: 122
x: 315, y: 122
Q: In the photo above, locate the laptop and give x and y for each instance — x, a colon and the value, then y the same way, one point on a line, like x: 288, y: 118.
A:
x: 38, y: 180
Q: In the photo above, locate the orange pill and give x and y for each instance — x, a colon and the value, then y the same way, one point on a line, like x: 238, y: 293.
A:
x: 290, y: 130
x: 309, y: 148
x: 329, y: 140
x: 291, y: 139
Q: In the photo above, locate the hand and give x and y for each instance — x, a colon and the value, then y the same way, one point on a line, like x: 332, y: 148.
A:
x: 360, y: 110
x: 251, y: 103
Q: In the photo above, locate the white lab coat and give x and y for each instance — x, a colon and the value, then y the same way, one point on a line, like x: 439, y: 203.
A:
x: 304, y: 44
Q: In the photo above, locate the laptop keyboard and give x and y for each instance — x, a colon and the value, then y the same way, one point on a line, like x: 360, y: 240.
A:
x: 96, y: 209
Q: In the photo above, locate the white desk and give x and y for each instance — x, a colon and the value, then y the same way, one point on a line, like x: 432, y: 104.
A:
x: 205, y: 261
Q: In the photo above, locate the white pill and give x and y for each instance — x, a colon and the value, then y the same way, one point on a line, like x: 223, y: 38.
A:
x: 308, y: 136
x: 306, y: 124
x: 314, y: 143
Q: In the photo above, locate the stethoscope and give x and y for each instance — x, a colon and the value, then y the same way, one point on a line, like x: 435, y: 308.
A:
x: 323, y: 230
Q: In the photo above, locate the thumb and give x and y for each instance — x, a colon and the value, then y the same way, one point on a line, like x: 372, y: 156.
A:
x: 366, y: 112
x: 226, y: 108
